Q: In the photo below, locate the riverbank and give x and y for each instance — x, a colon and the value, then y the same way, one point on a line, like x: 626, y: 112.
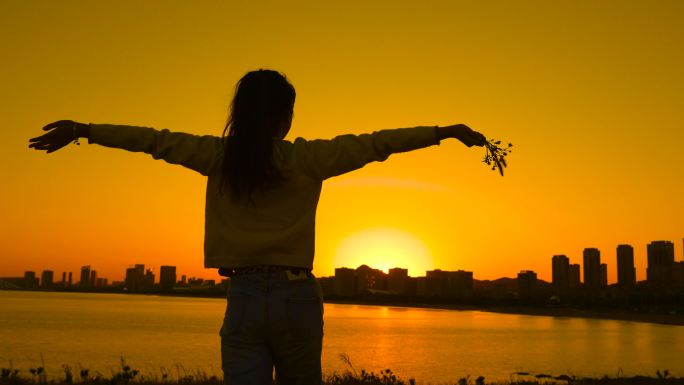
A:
x: 550, y: 311
x: 610, y: 314
x: 386, y: 377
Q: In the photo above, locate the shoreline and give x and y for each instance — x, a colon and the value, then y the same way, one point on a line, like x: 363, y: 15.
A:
x: 126, y: 375
x: 607, y: 314
x: 604, y: 313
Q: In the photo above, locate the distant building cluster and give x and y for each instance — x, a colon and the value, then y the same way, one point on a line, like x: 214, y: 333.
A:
x: 89, y: 279
x: 569, y: 280
x: 136, y: 279
x: 572, y: 283
x: 349, y: 282
x: 662, y: 269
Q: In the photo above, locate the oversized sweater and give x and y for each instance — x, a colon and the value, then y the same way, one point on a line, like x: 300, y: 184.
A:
x: 279, y: 228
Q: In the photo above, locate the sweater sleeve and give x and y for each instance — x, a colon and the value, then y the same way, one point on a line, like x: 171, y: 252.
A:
x: 325, y: 158
x: 198, y: 153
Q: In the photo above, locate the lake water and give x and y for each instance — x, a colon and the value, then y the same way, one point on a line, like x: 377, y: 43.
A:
x: 181, y: 335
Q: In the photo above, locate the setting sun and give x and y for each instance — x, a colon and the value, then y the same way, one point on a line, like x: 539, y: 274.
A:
x: 384, y: 248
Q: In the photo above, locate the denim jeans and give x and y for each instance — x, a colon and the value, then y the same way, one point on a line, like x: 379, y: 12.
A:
x: 273, y: 319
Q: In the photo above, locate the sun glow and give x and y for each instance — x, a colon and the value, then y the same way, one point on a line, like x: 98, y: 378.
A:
x: 384, y: 248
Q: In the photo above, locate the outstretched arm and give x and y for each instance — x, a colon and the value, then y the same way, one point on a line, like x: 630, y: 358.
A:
x: 325, y: 158
x: 198, y: 153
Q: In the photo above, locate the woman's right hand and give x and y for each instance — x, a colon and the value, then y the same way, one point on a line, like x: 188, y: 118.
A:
x: 60, y: 134
x: 466, y: 135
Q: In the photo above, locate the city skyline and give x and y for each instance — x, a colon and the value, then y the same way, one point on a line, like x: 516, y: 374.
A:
x: 564, y: 274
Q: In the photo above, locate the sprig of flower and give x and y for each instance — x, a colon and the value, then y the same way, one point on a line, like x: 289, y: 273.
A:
x: 495, y: 155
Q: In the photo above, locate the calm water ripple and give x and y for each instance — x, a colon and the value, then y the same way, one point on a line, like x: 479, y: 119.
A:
x: 181, y: 334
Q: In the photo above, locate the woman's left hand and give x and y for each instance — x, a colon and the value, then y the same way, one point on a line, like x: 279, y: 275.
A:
x: 467, y: 136
x: 60, y: 134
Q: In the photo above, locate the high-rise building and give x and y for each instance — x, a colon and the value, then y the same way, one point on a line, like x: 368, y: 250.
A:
x: 592, y: 268
x: 574, y: 276
x: 167, y: 277
x: 436, y: 282
x: 679, y: 270
x: 136, y: 278
x: 527, y: 284
x: 397, y: 280
x: 71, y: 282
x: 30, y: 279
x: 460, y: 281
x: 421, y: 286
x: 93, y: 278
x: 678, y: 274
x: 140, y: 275
x: 46, y: 279
x: 626, y: 273
x: 345, y: 280
x: 604, y: 275
x: 131, y: 282
x: 660, y: 262
x: 148, y: 282
x: 560, y: 272
x: 85, y: 277
x: 370, y: 278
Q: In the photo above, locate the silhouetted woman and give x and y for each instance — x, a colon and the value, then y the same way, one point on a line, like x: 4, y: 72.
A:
x: 261, y: 198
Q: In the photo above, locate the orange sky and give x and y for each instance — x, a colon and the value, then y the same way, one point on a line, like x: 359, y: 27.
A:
x: 590, y: 93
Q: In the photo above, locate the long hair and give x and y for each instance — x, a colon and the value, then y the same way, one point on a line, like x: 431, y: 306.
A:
x: 261, y: 109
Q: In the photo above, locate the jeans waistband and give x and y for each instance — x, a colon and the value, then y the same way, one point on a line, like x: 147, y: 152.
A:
x: 256, y: 269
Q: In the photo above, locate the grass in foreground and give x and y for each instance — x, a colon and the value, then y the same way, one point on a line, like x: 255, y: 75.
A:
x: 126, y: 375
